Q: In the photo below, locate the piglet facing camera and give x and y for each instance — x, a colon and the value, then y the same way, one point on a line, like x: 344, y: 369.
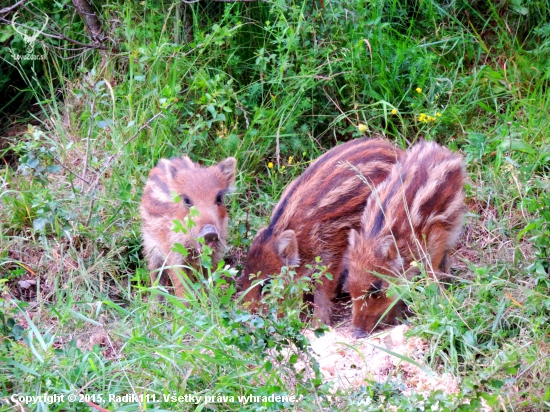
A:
x: 173, y: 187
x: 415, y: 215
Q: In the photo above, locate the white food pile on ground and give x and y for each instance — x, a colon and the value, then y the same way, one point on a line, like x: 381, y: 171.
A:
x: 349, y: 362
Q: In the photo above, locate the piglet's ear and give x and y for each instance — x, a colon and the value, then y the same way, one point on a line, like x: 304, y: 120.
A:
x: 227, y: 168
x: 286, y: 246
x: 353, y: 238
x: 186, y: 162
x: 176, y: 165
x: 182, y: 163
x: 387, y: 249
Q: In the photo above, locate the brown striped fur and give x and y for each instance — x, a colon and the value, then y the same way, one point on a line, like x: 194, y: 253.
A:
x: 314, y: 215
x: 202, y: 187
x: 415, y: 215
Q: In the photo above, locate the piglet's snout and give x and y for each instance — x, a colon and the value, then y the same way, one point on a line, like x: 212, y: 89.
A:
x: 210, y: 234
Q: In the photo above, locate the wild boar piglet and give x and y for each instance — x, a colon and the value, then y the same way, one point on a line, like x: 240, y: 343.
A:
x: 415, y: 215
x: 314, y: 216
x: 194, y: 185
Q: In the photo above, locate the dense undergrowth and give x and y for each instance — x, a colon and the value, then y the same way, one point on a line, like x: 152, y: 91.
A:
x: 274, y: 84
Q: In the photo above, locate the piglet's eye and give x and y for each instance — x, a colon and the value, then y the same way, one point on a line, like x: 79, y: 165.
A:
x: 219, y: 199
x: 376, y: 288
x: 186, y: 201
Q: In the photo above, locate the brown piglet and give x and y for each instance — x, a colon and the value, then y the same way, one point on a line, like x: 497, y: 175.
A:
x: 415, y: 215
x: 173, y: 187
x: 314, y: 216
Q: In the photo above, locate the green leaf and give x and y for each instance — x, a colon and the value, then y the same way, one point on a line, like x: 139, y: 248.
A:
x: 516, y: 145
x: 4, y: 35
x: 84, y: 318
x: 17, y: 332
x: 257, y: 322
x: 33, y: 162
x: 193, y: 212
x: 102, y: 124
x: 179, y: 248
x: 527, y: 228
x: 119, y: 308
x: 491, y: 399
x: 488, y: 109
x: 53, y: 169
x: 19, y: 366
x: 175, y: 197
x: 405, y: 358
x: 179, y: 227
x: 211, y: 110
x: 38, y: 224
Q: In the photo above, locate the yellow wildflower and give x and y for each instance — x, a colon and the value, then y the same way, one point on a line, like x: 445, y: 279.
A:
x: 362, y: 128
x: 270, y: 165
x: 425, y: 118
x: 394, y: 111
x: 290, y: 159
x: 438, y: 114
x: 418, y: 90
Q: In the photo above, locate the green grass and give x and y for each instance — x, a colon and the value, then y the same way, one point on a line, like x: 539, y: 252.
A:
x: 245, y: 80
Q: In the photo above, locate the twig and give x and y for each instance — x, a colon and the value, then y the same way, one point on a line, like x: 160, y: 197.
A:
x: 338, y: 107
x: 331, y: 77
x: 91, y: 404
x: 224, y: 1
x: 88, y: 138
x: 91, y: 211
x: 509, y: 138
x: 310, y: 135
x: 58, y: 36
x: 247, y: 225
x: 96, y: 407
x: 278, y: 146
x: 76, y: 49
x: 240, y: 106
x: 307, y: 370
x: 8, y: 9
x: 370, y: 52
x: 519, y: 375
x: 69, y: 170
x: 90, y: 20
